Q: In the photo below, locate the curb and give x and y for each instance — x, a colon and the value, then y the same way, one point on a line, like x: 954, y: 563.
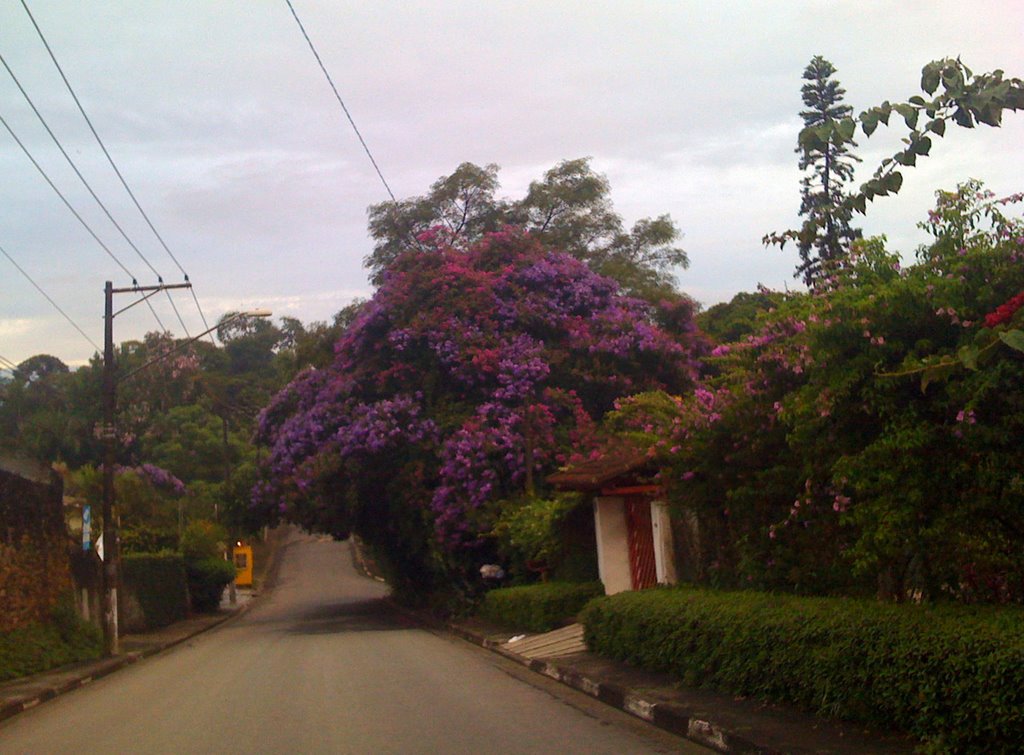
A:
x: 47, y: 685
x: 671, y: 718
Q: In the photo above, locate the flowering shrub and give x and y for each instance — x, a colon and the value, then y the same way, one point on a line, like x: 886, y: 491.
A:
x: 861, y: 437
x: 469, y: 376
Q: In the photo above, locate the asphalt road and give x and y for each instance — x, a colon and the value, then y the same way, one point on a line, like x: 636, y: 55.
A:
x: 320, y: 664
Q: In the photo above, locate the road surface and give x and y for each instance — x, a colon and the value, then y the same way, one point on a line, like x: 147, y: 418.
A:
x: 321, y: 665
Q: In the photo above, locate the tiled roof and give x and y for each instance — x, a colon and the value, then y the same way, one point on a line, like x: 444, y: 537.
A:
x: 595, y: 474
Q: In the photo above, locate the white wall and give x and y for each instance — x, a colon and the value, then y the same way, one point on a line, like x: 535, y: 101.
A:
x: 612, y: 544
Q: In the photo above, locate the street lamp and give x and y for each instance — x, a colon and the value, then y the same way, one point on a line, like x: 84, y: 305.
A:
x: 111, y: 560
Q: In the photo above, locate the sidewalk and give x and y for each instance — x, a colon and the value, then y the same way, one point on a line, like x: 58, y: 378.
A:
x: 717, y: 721
x: 720, y: 722
x: 21, y: 694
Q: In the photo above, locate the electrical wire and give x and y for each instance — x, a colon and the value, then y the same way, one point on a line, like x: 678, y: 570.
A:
x: 338, y: 97
x: 110, y: 160
x: 7, y: 364
x: 49, y: 299
x: 89, y: 188
x: 74, y: 212
x: 78, y: 173
x: 67, y: 204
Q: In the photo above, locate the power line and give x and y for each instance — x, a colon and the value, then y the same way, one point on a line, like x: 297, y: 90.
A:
x: 89, y: 188
x: 55, y: 305
x: 7, y: 364
x: 110, y: 160
x: 74, y: 212
x: 74, y: 167
x: 65, y: 200
x: 338, y: 97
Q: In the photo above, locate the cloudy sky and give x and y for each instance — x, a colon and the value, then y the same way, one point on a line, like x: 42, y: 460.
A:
x: 227, y: 132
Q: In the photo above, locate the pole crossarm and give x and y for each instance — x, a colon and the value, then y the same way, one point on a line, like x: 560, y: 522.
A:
x: 153, y: 291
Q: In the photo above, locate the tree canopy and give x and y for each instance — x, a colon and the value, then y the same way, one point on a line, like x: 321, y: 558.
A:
x: 569, y: 209
x: 471, y: 373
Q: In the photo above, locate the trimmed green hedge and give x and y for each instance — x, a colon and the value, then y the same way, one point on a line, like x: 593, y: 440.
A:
x: 207, y: 578
x: 38, y: 647
x: 538, y: 608
x: 952, y: 675
x: 158, y: 582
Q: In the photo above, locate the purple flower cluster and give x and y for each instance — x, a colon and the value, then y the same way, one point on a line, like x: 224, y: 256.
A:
x: 463, y: 360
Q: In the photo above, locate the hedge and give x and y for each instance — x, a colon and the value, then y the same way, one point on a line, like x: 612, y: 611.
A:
x: 158, y: 582
x: 63, y: 639
x: 538, y: 608
x: 207, y: 578
x: 951, y: 675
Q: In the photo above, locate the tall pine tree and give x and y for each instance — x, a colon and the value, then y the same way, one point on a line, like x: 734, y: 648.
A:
x: 827, y: 232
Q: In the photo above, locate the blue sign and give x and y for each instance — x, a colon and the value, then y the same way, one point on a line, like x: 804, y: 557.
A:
x: 86, y: 526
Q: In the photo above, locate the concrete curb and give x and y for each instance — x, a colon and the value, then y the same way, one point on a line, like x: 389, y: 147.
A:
x: 24, y: 694
x: 19, y: 695
x: 671, y: 718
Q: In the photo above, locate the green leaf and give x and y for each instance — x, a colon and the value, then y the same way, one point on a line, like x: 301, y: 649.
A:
x: 937, y: 126
x: 921, y: 145
x: 990, y: 115
x: 909, y: 113
x: 918, y: 100
x: 894, y: 181
x: 936, y: 372
x: 969, y: 357
x: 869, y: 122
x: 809, y: 141
x: 963, y: 118
x: 846, y: 128
x: 906, y: 158
x: 1013, y: 338
x: 930, y: 77
x: 860, y: 204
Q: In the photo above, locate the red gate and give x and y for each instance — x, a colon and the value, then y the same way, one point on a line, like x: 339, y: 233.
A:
x: 640, y: 532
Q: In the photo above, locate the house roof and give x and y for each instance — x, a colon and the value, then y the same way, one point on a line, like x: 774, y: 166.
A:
x: 26, y: 468
x: 595, y: 474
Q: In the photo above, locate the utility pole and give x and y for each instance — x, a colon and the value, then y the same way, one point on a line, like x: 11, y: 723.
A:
x: 111, y: 550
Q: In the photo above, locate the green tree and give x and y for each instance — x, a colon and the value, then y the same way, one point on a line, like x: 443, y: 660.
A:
x: 569, y: 209
x: 954, y: 93
x: 35, y: 417
x: 828, y: 165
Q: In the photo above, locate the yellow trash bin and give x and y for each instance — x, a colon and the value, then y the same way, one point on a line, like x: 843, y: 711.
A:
x: 242, y: 556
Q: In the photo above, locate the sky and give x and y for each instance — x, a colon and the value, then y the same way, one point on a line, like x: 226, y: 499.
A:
x: 228, y: 133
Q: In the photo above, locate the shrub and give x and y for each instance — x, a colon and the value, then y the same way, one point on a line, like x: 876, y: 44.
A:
x: 540, y: 607
x: 144, y: 539
x: 158, y: 583
x: 64, y: 639
x: 206, y: 581
x: 951, y: 675
x: 202, y: 539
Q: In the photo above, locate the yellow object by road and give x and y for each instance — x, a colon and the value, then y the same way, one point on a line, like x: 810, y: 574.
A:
x: 242, y: 555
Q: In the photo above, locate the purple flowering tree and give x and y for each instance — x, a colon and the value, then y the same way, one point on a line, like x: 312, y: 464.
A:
x: 470, y: 375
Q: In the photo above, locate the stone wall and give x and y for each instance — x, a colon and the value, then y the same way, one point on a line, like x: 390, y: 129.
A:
x: 34, y: 569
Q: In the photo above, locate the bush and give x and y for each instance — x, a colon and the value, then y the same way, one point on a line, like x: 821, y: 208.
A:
x: 206, y: 581
x: 64, y: 639
x: 202, y: 539
x: 158, y: 583
x: 538, y: 608
x: 951, y: 675
x: 144, y: 539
